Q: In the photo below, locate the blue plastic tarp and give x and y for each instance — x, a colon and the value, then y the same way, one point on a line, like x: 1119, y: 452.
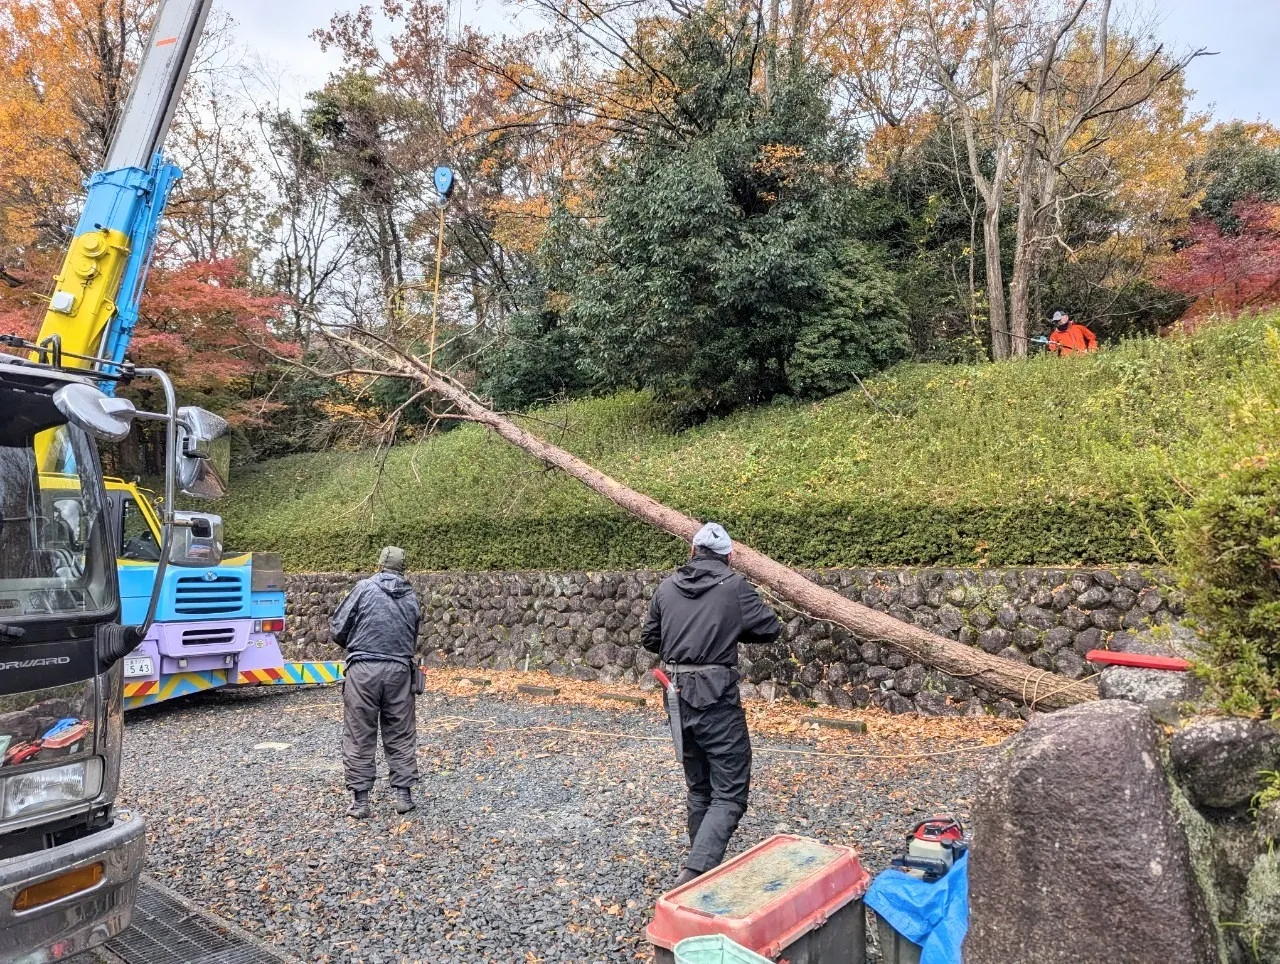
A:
x: 934, y: 915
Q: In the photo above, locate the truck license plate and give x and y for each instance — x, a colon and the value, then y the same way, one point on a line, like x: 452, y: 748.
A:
x: 137, y: 666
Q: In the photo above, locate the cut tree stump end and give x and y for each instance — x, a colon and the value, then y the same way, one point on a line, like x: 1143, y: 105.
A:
x: 852, y: 726
x: 531, y: 690
x: 625, y: 698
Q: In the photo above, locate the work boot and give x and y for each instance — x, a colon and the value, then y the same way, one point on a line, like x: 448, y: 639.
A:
x: 687, y: 876
x: 404, y: 799
x: 359, y: 808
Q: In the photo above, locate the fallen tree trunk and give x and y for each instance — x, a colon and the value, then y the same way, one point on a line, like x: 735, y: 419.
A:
x: 1009, y: 678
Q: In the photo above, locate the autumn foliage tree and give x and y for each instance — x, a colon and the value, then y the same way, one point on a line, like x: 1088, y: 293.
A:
x: 64, y: 77
x: 1226, y: 272
x: 411, y: 94
x: 204, y: 325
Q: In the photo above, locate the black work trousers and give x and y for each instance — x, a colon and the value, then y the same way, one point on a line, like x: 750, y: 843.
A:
x: 717, y: 772
x: 379, y: 693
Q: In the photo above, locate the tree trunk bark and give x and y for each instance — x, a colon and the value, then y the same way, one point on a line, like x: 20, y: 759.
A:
x: 1025, y: 248
x: 799, y: 34
x: 1020, y: 302
x: 1020, y: 294
x: 1010, y: 678
x: 771, y: 50
x: 995, y: 283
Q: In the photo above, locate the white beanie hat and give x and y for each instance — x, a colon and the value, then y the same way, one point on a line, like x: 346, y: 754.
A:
x: 712, y: 536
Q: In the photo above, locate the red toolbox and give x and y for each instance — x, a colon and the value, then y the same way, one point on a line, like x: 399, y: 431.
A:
x: 788, y: 899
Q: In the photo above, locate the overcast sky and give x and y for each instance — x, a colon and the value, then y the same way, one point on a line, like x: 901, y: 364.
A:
x: 1242, y: 81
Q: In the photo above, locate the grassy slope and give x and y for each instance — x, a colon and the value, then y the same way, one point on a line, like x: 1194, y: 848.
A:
x: 1044, y: 461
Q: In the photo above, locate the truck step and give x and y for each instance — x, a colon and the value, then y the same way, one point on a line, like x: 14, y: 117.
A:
x: 168, y: 929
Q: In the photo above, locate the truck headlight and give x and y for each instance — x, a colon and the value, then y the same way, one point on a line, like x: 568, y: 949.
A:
x: 40, y: 790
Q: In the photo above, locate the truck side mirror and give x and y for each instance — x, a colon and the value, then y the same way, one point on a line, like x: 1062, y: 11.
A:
x: 204, y: 454
x: 105, y: 418
x: 197, y: 539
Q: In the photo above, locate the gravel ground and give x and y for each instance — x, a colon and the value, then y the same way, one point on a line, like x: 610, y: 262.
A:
x: 544, y: 833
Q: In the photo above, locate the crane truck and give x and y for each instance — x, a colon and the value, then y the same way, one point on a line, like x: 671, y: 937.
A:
x: 109, y: 599
x: 216, y: 625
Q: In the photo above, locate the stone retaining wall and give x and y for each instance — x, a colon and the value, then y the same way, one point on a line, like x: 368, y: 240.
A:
x: 587, y: 625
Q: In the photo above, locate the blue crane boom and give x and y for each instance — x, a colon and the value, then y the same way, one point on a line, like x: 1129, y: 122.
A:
x: 94, y: 306
x: 214, y: 628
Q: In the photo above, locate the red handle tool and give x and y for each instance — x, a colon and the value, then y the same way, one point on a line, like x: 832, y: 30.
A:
x: 1106, y: 657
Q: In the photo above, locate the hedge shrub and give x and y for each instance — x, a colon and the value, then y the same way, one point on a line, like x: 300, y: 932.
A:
x: 1229, y: 560
x: 817, y: 537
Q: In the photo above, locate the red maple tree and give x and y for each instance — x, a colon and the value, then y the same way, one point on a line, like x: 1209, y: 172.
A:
x: 1228, y: 273
x: 202, y: 322
x: 205, y: 324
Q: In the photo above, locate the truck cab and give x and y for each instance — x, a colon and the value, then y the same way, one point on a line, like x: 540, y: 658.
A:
x: 213, y: 621
x: 69, y: 857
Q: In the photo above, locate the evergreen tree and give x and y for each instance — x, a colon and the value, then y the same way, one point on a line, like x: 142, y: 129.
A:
x: 715, y: 244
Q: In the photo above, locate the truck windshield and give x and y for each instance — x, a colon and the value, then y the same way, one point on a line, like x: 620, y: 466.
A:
x: 55, y: 548
x: 137, y: 541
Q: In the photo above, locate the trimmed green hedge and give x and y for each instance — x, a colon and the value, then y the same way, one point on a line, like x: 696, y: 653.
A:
x: 1047, y: 461
x: 827, y: 536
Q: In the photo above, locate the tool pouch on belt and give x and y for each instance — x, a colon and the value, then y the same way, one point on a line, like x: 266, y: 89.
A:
x: 419, y: 677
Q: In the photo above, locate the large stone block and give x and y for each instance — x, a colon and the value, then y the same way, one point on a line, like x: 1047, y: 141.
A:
x: 951, y: 618
x: 1147, y: 685
x: 1219, y: 762
x: 1078, y: 854
x: 1075, y: 618
x: 909, y: 680
x: 993, y: 640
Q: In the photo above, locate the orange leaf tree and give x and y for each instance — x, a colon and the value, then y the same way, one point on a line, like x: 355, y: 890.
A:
x: 64, y: 75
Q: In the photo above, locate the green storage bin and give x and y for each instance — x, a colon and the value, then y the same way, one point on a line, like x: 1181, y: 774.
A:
x: 715, y: 949
x: 894, y: 948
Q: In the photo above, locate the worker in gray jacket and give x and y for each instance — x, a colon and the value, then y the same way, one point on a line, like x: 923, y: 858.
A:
x: 377, y: 624
x: 697, y: 618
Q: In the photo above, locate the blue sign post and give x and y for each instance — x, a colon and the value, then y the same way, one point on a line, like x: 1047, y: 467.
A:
x: 444, y: 183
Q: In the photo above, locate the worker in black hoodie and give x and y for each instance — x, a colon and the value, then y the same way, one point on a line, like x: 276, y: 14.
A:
x: 697, y: 618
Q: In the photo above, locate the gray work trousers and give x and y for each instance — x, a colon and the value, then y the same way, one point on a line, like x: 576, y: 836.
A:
x: 373, y: 693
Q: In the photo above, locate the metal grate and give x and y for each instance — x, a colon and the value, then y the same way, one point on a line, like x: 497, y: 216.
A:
x: 168, y: 930
x: 198, y: 596
x: 219, y: 635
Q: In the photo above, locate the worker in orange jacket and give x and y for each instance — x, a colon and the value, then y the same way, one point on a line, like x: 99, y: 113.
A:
x: 1069, y: 337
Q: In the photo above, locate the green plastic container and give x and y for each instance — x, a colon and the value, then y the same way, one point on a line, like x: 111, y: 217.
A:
x: 715, y: 949
x: 894, y: 948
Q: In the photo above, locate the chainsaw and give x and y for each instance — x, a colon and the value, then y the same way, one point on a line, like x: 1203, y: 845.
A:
x: 933, y: 846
